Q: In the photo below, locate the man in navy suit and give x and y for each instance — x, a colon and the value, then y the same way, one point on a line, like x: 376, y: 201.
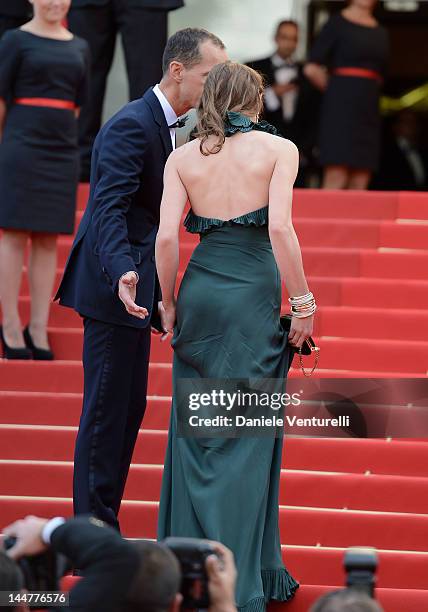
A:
x: 110, y: 277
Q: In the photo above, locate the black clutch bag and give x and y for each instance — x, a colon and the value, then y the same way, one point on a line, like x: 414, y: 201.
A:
x: 307, y: 348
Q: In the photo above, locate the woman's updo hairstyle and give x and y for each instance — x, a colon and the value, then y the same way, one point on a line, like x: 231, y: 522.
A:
x: 229, y: 87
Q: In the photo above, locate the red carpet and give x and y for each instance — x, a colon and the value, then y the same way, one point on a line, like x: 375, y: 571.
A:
x: 366, y: 259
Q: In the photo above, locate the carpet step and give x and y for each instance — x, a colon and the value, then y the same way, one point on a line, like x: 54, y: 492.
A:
x: 350, y: 205
x: 359, y: 322
x: 412, y: 205
x: 356, y: 354
x: 64, y: 409
x: 298, y: 488
x: 350, y: 455
x: 329, y: 291
x: 299, y: 526
x: 333, y: 232
x: 324, y: 566
x: 383, y: 262
x: 373, y: 354
x: 321, y: 261
x: 399, y: 457
x: 67, y: 376
x: 383, y: 293
x: 346, y: 322
x: 342, y: 204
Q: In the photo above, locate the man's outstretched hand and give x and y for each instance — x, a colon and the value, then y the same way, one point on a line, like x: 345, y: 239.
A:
x: 127, y: 291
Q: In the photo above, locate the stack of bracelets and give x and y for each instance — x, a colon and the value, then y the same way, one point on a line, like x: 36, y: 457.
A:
x: 303, y: 305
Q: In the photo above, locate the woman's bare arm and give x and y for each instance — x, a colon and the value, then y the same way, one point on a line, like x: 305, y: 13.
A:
x: 317, y: 75
x: 285, y: 244
x: 167, y: 243
x: 283, y: 238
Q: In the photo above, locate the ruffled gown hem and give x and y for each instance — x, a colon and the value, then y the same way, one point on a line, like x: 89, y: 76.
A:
x: 278, y: 585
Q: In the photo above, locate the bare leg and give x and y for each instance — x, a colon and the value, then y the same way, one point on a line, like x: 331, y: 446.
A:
x: 335, y: 177
x: 12, y: 250
x: 359, y: 179
x: 42, y: 270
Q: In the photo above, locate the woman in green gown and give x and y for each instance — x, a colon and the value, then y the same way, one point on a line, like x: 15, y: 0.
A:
x: 238, y: 177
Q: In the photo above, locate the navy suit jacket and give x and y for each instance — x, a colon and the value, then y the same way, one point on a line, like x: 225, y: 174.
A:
x: 118, y: 229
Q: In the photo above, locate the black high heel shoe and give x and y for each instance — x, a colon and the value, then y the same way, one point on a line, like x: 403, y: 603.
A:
x: 14, y: 353
x: 38, y: 353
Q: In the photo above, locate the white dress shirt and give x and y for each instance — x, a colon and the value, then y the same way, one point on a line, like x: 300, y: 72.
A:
x: 168, y: 111
x: 285, y: 72
x: 50, y: 527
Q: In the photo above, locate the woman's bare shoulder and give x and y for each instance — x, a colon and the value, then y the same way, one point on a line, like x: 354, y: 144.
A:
x: 183, y: 151
x: 274, y: 140
x: 278, y: 144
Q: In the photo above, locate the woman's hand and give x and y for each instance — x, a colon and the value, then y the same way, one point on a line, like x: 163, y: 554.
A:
x: 167, y: 315
x: 300, y: 330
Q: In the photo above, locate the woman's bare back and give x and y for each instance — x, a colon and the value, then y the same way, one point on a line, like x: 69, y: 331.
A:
x: 232, y: 182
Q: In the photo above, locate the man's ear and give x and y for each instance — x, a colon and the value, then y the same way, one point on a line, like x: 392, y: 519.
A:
x: 176, y: 71
x: 176, y: 603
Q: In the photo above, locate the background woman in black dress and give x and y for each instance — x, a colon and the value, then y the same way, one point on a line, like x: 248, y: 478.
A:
x: 354, y: 49
x: 43, y: 82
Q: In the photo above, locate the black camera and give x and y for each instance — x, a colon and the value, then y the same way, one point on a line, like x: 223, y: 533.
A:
x: 41, y: 572
x: 360, y: 566
x: 192, y: 554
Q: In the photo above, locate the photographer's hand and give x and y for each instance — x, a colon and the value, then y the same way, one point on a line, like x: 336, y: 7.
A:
x: 222, y: 574
x: 28, y: 534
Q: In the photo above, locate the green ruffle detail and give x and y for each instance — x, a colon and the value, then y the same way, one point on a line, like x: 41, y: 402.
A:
x: 278, y: 585
x: 237, y: 122
x: 199, y: 225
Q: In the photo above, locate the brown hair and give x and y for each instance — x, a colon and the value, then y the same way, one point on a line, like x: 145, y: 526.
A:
x: 229, y: 87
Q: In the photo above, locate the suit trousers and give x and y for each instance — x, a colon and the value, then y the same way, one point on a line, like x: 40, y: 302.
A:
x: 115, y: 363
x: 144, y: 35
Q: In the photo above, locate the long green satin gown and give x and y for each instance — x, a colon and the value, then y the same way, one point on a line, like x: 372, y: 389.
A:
x: 228, y: 309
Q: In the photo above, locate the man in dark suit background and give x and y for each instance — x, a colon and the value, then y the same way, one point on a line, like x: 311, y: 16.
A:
x: 290, y: 103
x: 110, y: 277
x: 143, y: 28
x: 13, y: 14
x: 119, y: 576
x: 404, y: 158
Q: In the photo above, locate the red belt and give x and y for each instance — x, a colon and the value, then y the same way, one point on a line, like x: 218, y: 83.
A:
x: 49, y: 102
x: 358, y: 72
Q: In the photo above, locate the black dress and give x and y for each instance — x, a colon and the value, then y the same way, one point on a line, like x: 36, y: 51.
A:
x: 350, y: 119
x: 39, y: 162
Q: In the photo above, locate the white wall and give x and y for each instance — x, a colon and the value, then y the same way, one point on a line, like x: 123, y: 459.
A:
x: 245, y: 26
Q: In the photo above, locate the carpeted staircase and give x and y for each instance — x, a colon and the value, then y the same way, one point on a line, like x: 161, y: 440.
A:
x: 366, y: 260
